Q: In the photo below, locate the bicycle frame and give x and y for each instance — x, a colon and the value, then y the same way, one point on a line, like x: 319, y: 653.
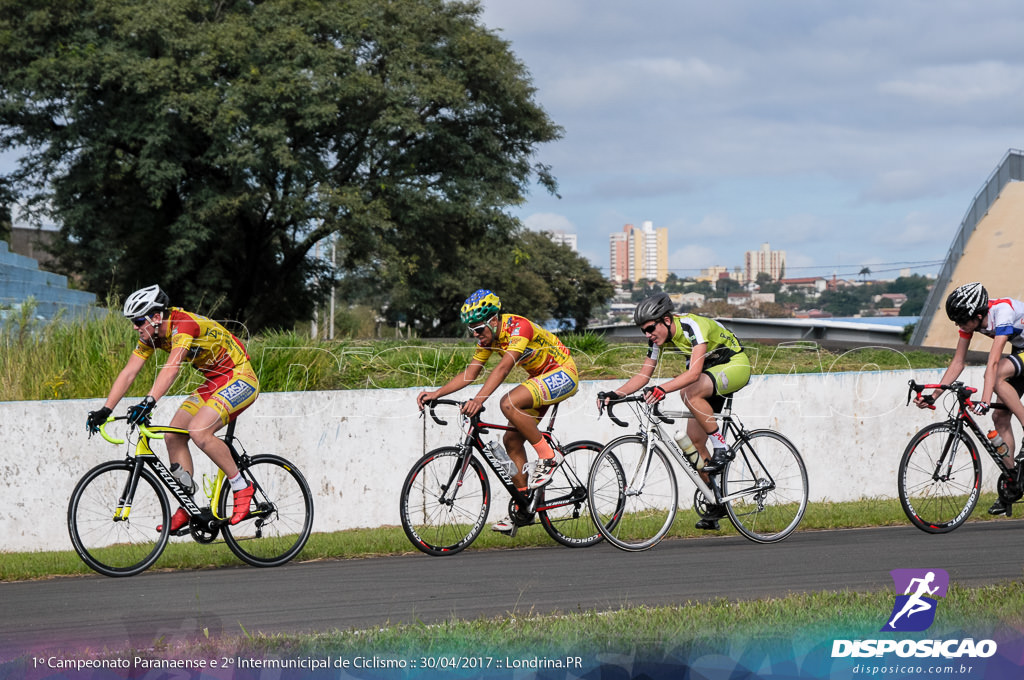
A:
x: 144, y: 455
x: 956, y: 421
x: 472, y: 444
x: 653, y: 432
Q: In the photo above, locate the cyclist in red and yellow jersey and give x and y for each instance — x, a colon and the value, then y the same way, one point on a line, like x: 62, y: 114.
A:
x: 552, y: 378
x: 230, y: 385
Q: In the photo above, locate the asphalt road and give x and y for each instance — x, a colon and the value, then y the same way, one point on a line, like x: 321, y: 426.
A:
x: 93, y: 611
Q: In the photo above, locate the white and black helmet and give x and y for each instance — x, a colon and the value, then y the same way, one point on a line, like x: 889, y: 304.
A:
x: 966, y: 302
x: 653, y: 308
x: 145, y: 301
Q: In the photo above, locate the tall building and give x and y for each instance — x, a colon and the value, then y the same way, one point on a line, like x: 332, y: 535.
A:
x: 639, y: 254
x: 765, y: 260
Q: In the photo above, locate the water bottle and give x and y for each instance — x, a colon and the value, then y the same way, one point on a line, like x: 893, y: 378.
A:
x: 184, y: 478
x: 998, y: 442
x: 504, y: 462
x: 689, y: 449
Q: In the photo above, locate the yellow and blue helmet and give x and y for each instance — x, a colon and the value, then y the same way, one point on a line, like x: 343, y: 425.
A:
x: 480, y: 306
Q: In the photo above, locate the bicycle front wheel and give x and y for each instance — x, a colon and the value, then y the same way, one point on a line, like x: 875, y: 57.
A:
x: 770, y: 476
x: 563, y: 509
x: 118, y: 537
x: 939, y: 478
x: 632, y: 493
x: 443, y: 510
x: 281, y: 515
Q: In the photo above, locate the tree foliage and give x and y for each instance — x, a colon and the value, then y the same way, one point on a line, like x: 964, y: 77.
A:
x: 209, y: 146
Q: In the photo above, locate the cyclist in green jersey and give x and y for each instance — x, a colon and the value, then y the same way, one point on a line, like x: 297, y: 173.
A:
x: 716, y: 366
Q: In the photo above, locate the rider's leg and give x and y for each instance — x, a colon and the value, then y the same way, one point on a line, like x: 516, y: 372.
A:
x: 1007, y: 388
x: 177, y: 444
x: 517, y: 406
x: 202, y: 430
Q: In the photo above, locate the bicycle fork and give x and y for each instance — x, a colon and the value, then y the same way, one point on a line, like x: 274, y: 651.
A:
x: 124, y: 503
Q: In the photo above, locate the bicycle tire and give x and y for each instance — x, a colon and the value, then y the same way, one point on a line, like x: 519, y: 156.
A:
x: 122, y: 547
x: 282, y: 517
x: 633, y: 512
x: 937, y: 506
x: 563, y: 509
x: 773, y: 512
x: 437, y: 525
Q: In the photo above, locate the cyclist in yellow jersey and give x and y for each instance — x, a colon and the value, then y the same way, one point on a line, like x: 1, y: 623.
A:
x: 552, y: 378
x: 230, y: 385
x: 716, y: 366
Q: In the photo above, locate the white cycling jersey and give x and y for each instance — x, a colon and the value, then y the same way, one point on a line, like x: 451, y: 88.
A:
x: 1005, y: 317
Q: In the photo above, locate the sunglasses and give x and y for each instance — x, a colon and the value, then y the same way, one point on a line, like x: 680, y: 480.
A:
x: 647, y: 330
x: 139, y: 321
x: 478, y: 330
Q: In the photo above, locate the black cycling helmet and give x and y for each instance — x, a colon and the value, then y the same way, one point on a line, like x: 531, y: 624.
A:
x: 966, y: 302
x: 653, y: 308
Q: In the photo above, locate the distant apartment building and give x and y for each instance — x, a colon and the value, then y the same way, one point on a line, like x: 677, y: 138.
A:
x: 764, y: 261
x: 563, y: 238
x: 639, y: 254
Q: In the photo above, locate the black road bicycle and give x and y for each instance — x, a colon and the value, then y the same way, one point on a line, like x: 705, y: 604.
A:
x: 446, y: 495
x: 940, y: 472
x: 763, y: 487
x: 119, y: 517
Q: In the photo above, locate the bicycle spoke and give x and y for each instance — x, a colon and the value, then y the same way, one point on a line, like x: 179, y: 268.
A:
x: 770, y: 477
x: 939, y: 479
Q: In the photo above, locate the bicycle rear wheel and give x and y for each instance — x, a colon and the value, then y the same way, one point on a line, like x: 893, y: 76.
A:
x: 770, y: 469
x: 442, y: 513
x: 563, y: 509
x: 632, y: 493
x: 939, y: 479
x: 117, y: 543
x: 281, y: 518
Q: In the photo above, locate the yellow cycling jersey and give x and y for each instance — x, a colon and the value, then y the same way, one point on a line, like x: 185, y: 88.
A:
x: 541, y: 350
x: 212, y: 349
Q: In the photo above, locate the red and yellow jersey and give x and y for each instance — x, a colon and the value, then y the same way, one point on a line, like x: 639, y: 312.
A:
x: 212, y: 349
x: 541, y: 350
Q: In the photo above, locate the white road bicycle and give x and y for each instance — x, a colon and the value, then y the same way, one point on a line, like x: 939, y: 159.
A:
x: 763, y: 487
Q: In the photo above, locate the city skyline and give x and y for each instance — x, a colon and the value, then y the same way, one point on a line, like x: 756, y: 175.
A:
x: 849, y: 136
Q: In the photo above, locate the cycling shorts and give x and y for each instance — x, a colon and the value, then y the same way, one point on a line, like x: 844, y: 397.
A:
x: 554, y: 386
x: 730, y: 375
x: 1017, y: 379
x: 228, y: 393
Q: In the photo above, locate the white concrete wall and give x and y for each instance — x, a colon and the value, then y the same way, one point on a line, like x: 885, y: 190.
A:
x: 355, y: 447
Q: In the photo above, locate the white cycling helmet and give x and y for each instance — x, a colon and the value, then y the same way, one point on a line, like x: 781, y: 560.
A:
x: 145, y: 301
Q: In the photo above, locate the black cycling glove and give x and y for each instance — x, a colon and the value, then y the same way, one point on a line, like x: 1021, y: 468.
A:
x: 140, y: 412
x: 95, y: 419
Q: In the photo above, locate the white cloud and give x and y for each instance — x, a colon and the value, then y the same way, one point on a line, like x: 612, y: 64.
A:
x: 549, y: 222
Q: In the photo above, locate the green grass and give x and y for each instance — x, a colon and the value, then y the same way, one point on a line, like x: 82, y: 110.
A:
x: 81, y: 359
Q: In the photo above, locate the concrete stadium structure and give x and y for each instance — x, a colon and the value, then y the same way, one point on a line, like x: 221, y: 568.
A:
x: 987, y: 247
x: 21, y: 279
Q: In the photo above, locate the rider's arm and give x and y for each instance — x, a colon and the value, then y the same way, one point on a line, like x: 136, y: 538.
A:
x: 692, y: 372
x: 994, y: 355
x: 124, y: 380
x: 640, y: 379
x: 956, y: 366
x: 168, y: 373
x: 466, y: 377
x: 494, y: 380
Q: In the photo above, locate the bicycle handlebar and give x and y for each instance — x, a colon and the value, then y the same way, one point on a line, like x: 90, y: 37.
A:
x: 432, y: 403
x: 144, y: 429
x: 625, y: 400
x: 962, y: 391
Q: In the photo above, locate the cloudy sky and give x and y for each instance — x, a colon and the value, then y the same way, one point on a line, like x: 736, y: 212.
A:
x: 848, y: 134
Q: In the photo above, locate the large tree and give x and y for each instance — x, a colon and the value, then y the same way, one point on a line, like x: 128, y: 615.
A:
x: 209, y: 146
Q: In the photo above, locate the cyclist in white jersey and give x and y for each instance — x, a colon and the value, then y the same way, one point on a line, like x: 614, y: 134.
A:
x: 1001, y: 319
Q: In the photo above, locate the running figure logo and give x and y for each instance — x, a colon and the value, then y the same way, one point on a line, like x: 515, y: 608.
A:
x: 914, y: 610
